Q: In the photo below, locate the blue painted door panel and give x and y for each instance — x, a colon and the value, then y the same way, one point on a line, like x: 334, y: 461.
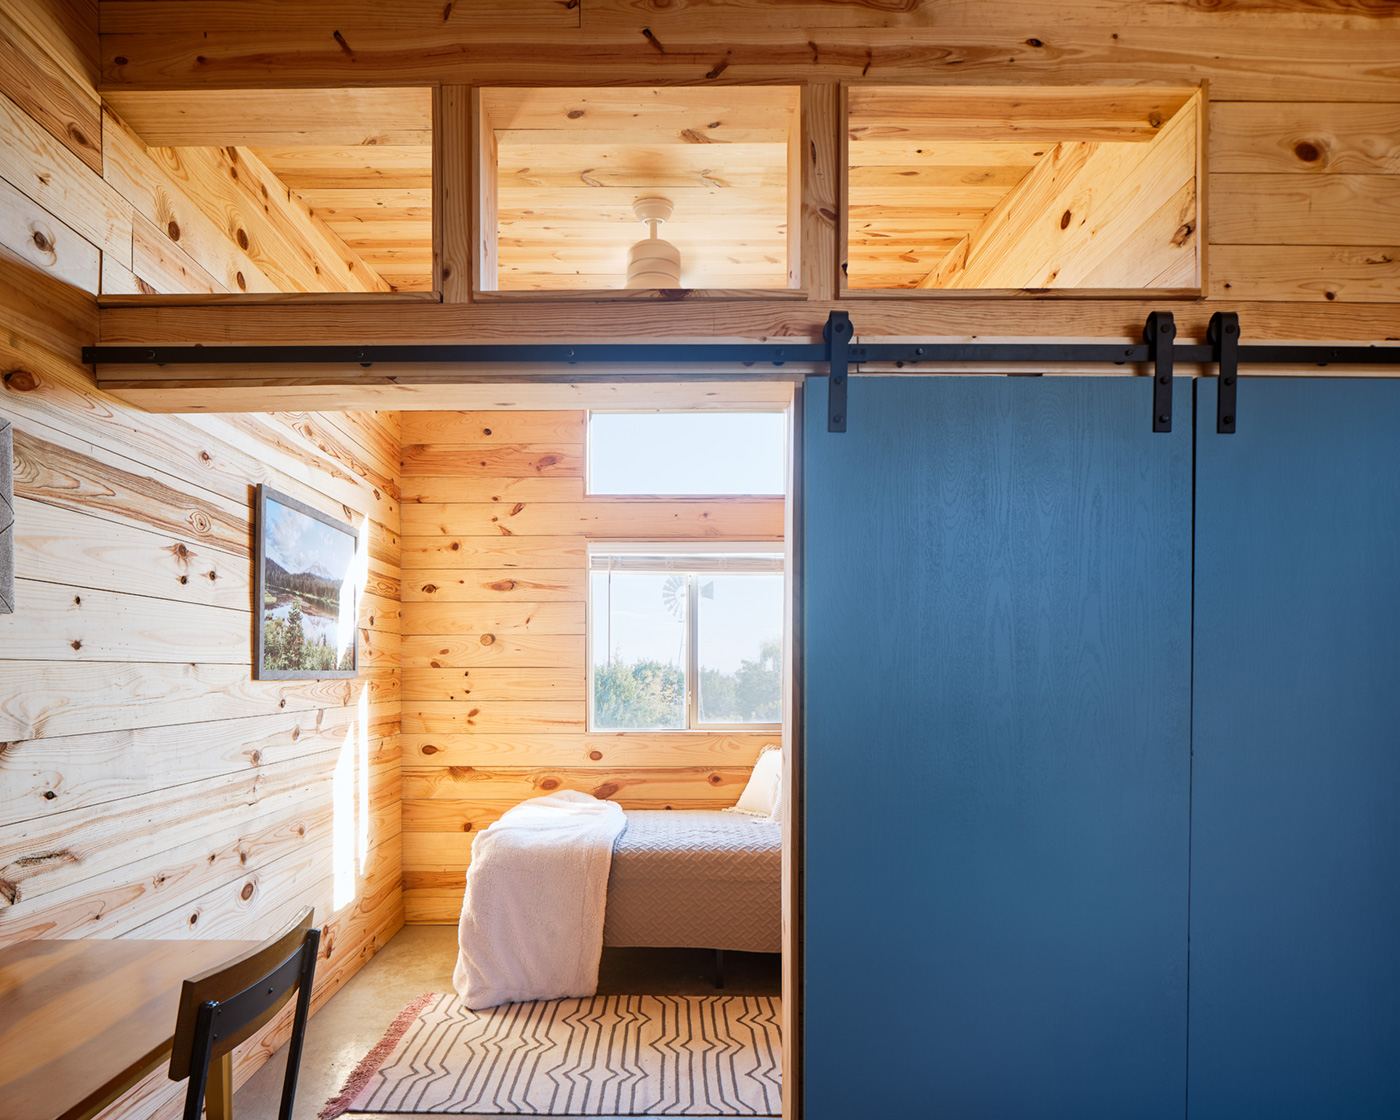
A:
x: 1295, y: 874
x: 997, y: 608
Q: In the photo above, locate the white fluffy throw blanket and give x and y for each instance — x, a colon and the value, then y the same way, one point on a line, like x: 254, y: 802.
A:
x: 532, y: 919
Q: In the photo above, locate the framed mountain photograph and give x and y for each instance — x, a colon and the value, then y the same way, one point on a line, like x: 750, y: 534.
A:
x: 307, y: 597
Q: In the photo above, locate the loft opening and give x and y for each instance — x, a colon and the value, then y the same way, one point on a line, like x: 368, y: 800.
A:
x: 1003, y: 188
x: 573, y: 181
x: 270, y: 191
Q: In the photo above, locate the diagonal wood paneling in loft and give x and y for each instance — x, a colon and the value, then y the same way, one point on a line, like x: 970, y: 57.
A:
x: 358, y: 161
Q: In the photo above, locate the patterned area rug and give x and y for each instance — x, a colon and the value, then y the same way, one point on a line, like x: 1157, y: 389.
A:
x: 603, y: 1056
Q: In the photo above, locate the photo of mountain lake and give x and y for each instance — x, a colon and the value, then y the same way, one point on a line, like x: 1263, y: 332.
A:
x: 306, y: 586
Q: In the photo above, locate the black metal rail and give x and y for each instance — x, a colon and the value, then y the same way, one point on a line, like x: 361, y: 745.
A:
x: 837, y: 350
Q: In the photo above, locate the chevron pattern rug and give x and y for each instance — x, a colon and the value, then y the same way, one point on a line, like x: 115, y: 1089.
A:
x: 602, y: 1056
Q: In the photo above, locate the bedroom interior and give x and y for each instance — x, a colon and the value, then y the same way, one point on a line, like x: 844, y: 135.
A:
x: 1078, y: 706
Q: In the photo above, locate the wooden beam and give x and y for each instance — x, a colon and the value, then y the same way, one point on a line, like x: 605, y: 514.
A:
x: 821, y: 156
x: 453, y: 147
x: 384, y: 393
x: 391, y: 320
x: 154, y: 44
x: 486, y: 196
x: 1010, y: 114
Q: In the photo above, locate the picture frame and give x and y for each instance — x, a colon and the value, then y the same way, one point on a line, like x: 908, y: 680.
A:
x: 306, y: 605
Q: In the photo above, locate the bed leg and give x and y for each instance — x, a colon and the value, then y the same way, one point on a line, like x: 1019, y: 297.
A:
x: 719, y: 969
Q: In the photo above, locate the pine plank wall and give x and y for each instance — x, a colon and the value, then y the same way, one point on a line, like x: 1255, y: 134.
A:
x: 148, y: 787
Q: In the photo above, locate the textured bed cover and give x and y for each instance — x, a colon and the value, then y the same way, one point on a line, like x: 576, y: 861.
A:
x: 696, y: 878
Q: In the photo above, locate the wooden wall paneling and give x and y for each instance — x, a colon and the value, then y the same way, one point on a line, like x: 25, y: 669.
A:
x: 50, y: 699
x: 81, y: 771
x: 65, y: 31
x: 162, y: 265
x: 44, y: 311
x: 471, y: 428
x: 83, y: 624
x: 289, y: 233
x: 743, y: 519
x: 494, y: 461
x: 455, y: 488
x: 1305, y: 209
x: 1314, y: 137
x: 50, y: 174
x: 52, y: 470
x: 118, y: 280
x: 40, y: 86
x: 31, y: 232
x: 1079, y: 211
x: 625, y: 750
x: 170, y: 208
x: 85, y: 844
x: 126, y: 558
x: 455, y: 170
x: 512, y: 648
x: 222, y: 459
x: 672, y: 784
x: 234, y: 216
x: 1368, y: 277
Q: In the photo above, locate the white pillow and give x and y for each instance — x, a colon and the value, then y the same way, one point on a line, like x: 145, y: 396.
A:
x: 765, y: 785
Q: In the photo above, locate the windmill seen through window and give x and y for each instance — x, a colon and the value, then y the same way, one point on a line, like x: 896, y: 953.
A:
x: 684, y: 642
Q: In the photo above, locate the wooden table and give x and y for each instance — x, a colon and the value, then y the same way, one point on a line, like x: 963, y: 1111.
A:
x: 81, y: 1022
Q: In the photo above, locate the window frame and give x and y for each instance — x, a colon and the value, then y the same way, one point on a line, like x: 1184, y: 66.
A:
x: 679, y: 550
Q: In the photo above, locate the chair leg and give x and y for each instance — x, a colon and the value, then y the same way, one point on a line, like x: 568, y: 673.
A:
x: 218, y: 1098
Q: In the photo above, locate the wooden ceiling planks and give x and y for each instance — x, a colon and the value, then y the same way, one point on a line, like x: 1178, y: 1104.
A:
x: 570, y: 163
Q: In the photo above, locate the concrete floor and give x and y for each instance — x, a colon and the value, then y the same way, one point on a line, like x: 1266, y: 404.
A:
x: 419, y: 959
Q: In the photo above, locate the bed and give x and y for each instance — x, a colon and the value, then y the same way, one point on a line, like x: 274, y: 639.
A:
x: 696, y: 878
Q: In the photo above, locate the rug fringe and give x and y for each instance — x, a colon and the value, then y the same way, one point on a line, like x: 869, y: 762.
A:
x: 370, y: 1063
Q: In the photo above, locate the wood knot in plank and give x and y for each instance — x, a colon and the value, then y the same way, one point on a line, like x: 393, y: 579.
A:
x: 21, y: 381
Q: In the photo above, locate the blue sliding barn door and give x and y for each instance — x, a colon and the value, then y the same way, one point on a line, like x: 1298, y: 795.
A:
x: 1295, y: 873
x: 996, y: 683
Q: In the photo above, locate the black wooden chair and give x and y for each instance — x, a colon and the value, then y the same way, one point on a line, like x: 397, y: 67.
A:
x: 225, y: 1005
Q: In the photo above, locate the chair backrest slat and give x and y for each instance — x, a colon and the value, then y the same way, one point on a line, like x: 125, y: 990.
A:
x: 228, y: 979
x: 222, y: 1007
